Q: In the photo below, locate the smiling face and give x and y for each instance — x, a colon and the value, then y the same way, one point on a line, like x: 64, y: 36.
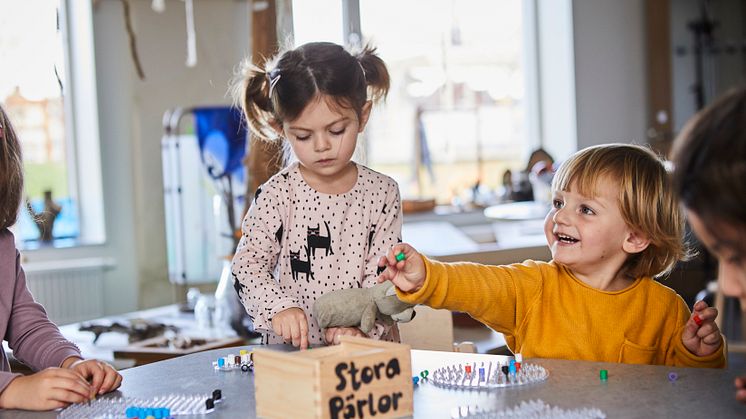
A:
x: 323, y: 139
x: 727, y: 246
x: 588, y: 234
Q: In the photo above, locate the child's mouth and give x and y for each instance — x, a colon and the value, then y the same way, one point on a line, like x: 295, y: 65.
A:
x: 563, y: 238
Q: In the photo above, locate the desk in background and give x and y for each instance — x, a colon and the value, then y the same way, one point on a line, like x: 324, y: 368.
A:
x: 114, y: 347
x: 631, y: 390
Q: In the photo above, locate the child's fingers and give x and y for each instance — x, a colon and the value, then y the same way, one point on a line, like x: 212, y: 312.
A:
x: 700, y: 305
x: 66, y: 395
x: 387, y: 273
x: 707, y: 329
x: 741, y: 395
x: 295, y: 333
x: 277, y: 328
x: 712, y: 339
x: 111, y: 379
x: 690, y: 329
x: 287, y: 332
x: 70, y: 387
x: 328, y: 335
x: 398, y: 254
x: 303, y: 334
x: 704, y: 315
x: 740, y: 382
x: 93, y: 370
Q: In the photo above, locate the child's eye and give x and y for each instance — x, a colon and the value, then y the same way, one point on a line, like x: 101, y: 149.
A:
x: 586, y: 210
x: 302, y: 138
x: 338, y: 132
x: 735, y: 260
x: 556, y: 203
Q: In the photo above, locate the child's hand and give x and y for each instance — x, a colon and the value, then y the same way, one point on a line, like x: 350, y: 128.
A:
x: 48, y: 389
x: 292, y: 325
x: 102, y: 376
x: 332, y: 334
x: 407, y: 274
x: 701, y: 335
x: 741, y: 389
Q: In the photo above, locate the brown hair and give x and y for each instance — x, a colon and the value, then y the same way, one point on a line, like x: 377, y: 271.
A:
x: 288, y: 82
x: 709, y: 157
x: 11, y: 172
x: 646, y: 201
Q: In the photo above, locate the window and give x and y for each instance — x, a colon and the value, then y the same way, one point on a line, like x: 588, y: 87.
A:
x: 456, y: 114
x: 454, y: 117
x: 37, y: 93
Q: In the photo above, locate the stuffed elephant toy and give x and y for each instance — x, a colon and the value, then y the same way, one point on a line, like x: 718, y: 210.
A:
x: 360, y: 307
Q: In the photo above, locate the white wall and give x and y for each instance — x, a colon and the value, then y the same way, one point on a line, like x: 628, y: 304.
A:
x: 610, y: 71
x: 556, y: 77
x: 130, y: 112
x: 592, y: 79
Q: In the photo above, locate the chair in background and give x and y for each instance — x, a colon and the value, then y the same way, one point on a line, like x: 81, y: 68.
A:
x: 432, y: 330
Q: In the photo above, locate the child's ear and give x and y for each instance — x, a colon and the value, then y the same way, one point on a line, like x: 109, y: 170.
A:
x: 364, y: 115
x: 635, y: 242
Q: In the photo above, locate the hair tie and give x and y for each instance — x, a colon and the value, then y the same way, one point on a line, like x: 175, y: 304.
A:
x: 274, y: 77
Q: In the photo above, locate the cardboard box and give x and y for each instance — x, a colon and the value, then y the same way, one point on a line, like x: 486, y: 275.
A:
x: 359, y: 378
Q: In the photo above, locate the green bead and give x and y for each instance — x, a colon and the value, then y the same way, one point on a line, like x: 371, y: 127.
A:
x: 604, y: 375
x: 424, y: 374
x: 400, y: 256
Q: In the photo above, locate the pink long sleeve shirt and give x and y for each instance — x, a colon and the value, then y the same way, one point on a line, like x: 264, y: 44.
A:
x: 298, y: 244
x: 34, y: 339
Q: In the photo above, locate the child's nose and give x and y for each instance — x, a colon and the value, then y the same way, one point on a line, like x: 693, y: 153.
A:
x: 560, y: 216
x: 322, y: 143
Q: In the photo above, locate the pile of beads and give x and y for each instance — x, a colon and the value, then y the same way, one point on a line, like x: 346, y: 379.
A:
x: 244, y: 361
x: 530, y: 409
x: 488, y: 375
x: 132, y: 407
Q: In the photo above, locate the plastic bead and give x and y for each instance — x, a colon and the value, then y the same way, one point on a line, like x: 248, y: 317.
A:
x: 697, y: 320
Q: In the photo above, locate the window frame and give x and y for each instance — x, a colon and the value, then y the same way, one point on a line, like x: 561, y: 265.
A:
x: 82, y: 139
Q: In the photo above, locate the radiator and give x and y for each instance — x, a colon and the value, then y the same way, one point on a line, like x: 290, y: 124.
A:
x: 69, y: 290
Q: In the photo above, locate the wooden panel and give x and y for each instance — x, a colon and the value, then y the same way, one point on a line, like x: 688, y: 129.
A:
x: 658, y: 37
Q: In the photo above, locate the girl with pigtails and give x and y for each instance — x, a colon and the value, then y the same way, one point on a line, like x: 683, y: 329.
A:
x: 321, y: 223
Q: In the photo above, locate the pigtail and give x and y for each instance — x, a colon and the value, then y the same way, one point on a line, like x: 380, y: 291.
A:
x: 375, y: 72
x: 251, y: 92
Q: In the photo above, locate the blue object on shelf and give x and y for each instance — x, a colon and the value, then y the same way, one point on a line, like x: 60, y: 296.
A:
x: 221, y: 134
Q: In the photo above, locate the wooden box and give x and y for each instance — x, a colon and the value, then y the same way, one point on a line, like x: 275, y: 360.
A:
x: 359, y: 378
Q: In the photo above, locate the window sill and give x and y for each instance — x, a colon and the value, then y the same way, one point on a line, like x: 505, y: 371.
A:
x: 69, y: 243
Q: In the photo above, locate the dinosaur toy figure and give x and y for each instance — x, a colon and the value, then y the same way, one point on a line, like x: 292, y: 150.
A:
x: 360, y: 307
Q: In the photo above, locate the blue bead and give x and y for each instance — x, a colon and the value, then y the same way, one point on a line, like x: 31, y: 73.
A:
x: 415, y: 379
x: 131, y: 412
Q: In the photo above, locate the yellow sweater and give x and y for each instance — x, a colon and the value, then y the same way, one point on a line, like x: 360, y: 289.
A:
x: 545, y: 311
